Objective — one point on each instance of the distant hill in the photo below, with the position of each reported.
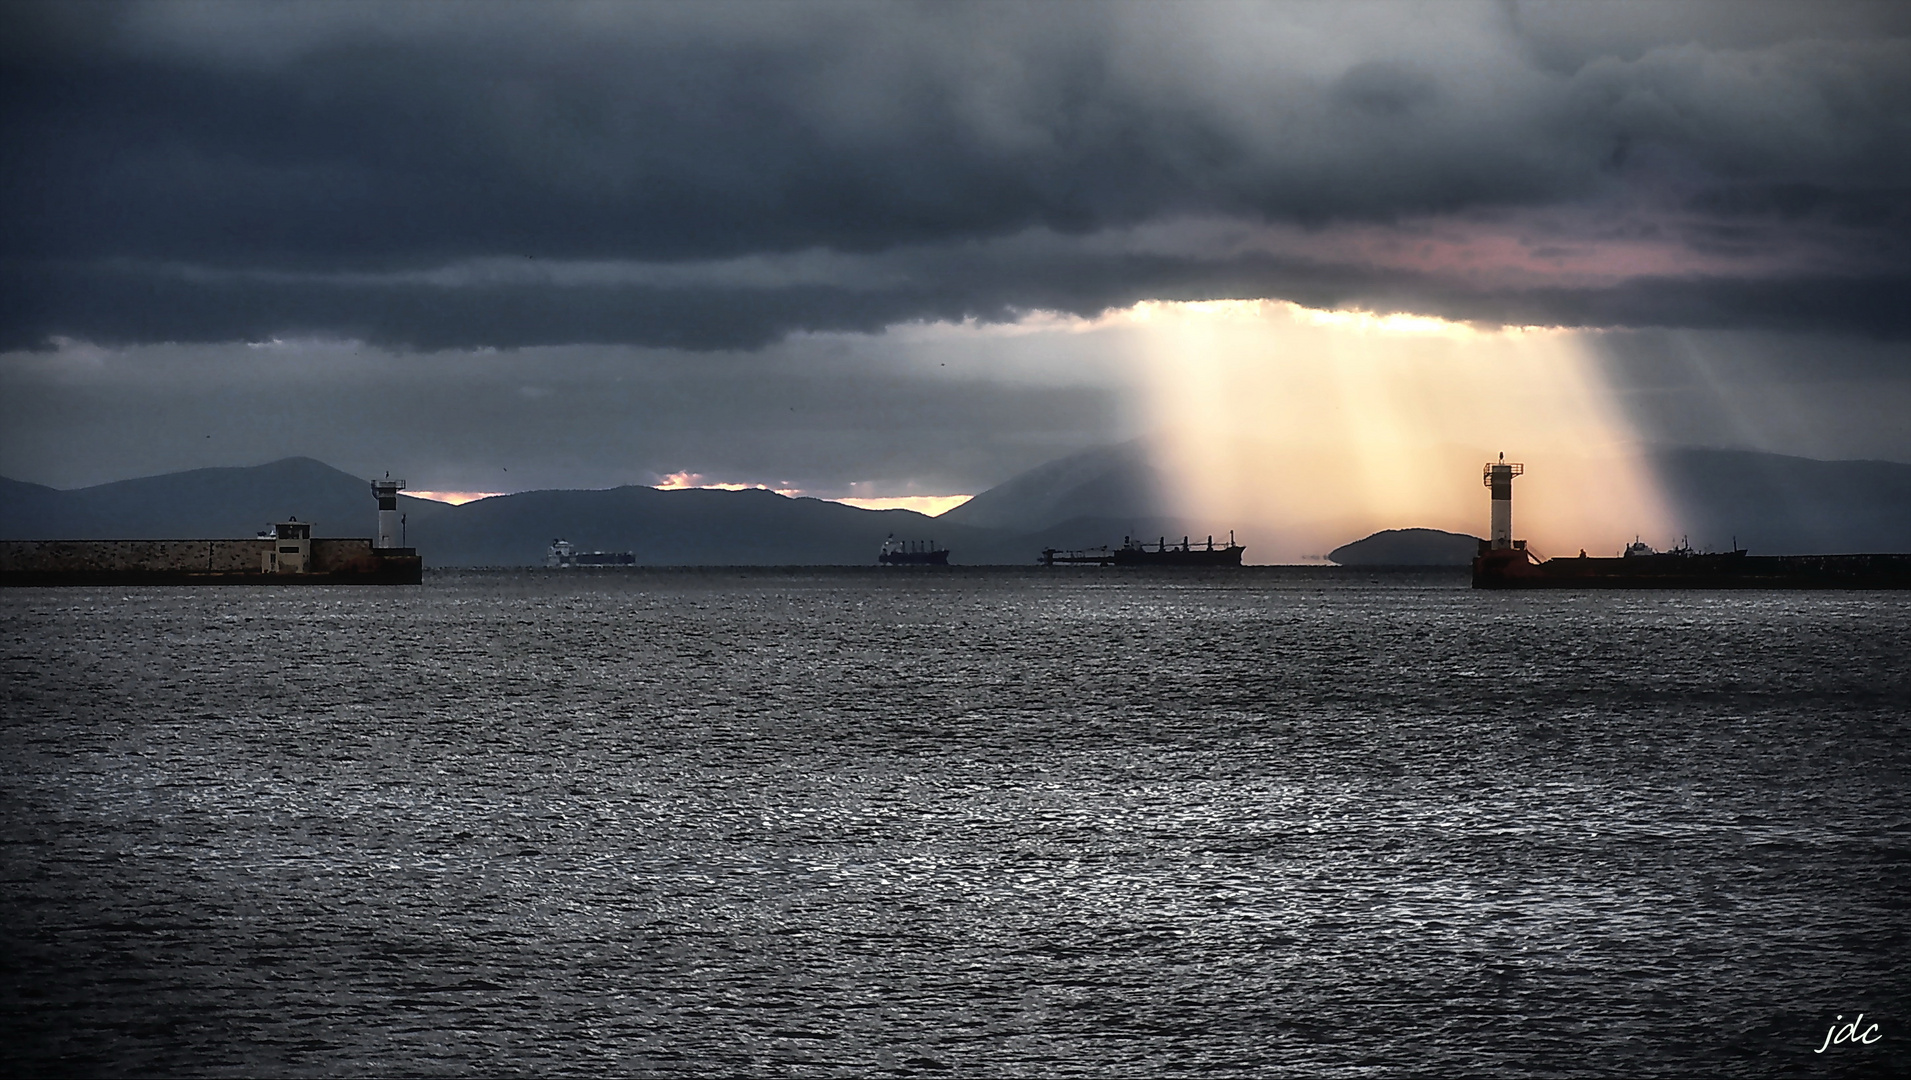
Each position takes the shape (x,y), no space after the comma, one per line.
(1408,547)
(220,502)
(1777,505)
(1117,483)
(1771,504)
(32,512)
(1093,532)
(1084,500)
(694,527)
(689,528)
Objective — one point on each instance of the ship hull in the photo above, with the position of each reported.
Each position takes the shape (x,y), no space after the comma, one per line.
(1228,556)
(595,559)
(1136,556)
(914,558)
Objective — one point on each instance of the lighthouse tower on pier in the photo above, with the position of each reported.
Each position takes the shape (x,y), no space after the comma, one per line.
(1498,476)
(1502,561)
(387,491)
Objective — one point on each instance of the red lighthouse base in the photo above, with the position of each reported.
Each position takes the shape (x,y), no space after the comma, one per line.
(1505,568)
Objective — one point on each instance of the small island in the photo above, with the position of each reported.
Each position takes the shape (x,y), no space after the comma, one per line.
(1408,547)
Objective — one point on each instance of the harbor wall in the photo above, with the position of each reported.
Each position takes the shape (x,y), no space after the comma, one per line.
(107,556)
(1512,569)
(30,560)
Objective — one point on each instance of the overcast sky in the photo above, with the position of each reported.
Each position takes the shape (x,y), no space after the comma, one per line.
(871,248)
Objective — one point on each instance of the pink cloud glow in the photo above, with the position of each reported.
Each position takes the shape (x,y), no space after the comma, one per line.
(1571,247)
(455,498)
(685,481)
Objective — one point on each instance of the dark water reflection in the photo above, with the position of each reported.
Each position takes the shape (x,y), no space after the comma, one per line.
(981,822)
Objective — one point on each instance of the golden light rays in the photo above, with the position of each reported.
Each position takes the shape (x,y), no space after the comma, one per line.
(1302,430)
(1306,429)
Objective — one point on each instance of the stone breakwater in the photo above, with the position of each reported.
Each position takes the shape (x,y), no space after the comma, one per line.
(187,562)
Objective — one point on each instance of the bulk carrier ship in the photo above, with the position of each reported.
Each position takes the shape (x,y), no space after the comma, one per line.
(1505,563)
(1133,552)
(912,553)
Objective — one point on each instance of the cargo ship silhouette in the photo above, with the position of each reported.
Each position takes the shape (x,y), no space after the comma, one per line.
(912,553)
(1506,563)
(1133,552)
(564,555)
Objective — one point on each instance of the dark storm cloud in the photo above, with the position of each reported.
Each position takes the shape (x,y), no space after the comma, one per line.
(224,172)
(120,305)
(831,415)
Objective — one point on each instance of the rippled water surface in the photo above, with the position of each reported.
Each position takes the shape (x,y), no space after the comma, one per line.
(1023,822)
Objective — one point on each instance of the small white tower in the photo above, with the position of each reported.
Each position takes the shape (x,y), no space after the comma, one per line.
(387,491)
(290,550)
(1498,476)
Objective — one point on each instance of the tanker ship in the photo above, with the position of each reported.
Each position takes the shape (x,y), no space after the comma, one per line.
(1505,563)
(286,553)
(563,555)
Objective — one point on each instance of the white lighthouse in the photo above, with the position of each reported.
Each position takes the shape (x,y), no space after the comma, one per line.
(387,491)
(1498,477)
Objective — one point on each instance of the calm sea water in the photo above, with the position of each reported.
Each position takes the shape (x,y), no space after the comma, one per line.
(1023,822)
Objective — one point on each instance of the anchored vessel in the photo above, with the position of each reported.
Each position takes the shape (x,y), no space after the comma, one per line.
(286,553)
(912,553)
(1133,552)
(562,554)
(1505,563)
